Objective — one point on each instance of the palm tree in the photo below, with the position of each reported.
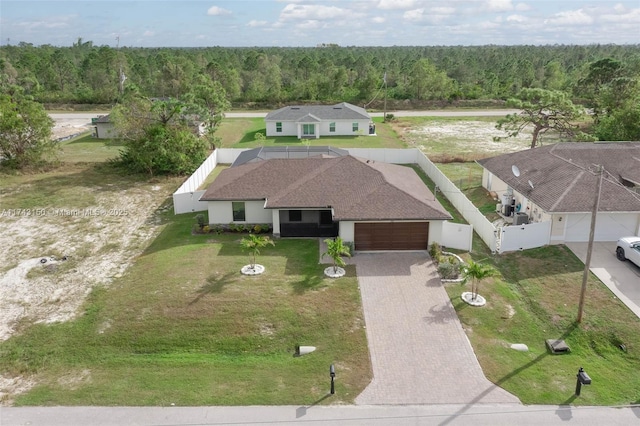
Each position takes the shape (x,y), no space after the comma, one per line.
(335,250)
(476,272)
(253,243)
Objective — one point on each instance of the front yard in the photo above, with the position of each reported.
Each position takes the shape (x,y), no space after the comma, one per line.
(184,327)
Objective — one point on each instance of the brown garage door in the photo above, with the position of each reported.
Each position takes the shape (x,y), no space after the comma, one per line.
(392,236)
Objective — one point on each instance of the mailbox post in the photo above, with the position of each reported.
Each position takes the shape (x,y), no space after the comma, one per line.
(332,374)
(583,379)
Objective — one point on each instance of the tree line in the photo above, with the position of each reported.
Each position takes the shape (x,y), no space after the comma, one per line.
(85,73)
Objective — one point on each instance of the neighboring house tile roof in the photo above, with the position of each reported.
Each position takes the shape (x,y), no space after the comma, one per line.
(102,119)
(356,189)
(315,113)
(564,179)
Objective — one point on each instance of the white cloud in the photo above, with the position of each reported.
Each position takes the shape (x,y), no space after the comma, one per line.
(253,23)
(522,7)
(443,10)
(396,4)
(378,20)
(619,7)
(629,17)
(149,33)
(415,15)
(499,5)
(217,11)
(293,12)
(310,24)
(570,17)
(517,18)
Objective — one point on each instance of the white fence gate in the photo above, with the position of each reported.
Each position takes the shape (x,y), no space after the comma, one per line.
(522,237)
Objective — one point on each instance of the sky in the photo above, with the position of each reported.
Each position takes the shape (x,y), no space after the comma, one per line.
(295,23)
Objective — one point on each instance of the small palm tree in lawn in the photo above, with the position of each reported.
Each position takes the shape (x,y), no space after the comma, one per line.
(335,250)
(253,243)
(476,272)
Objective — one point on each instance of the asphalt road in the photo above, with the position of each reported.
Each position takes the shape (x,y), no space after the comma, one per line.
(245,114)
(396,415)
(430,113)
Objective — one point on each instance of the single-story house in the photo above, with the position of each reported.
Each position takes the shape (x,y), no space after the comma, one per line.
(104,128)
(314,121)
(558,183)
(375,205)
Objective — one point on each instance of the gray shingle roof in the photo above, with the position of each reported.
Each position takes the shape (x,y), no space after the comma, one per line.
(356,189)
(309,113)
(564,179)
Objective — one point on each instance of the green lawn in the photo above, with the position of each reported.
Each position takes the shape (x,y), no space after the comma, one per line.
(241,133)
(86,148)
(183,326)
(534,298)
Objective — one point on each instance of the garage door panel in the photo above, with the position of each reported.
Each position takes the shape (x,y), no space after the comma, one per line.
(391,236)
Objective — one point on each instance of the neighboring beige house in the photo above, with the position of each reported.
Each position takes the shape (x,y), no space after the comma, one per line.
(104,128)
(375,205)
(314,121)
(557,184)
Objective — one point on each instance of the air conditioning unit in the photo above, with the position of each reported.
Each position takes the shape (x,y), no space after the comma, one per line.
(520,218)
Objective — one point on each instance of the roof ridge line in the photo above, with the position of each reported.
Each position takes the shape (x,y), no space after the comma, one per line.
(567,189)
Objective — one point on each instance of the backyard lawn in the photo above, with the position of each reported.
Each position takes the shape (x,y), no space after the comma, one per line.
(184,327)
(87,148)
(241,133)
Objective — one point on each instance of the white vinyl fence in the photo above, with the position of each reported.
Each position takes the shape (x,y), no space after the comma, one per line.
(485,229)
(454,235)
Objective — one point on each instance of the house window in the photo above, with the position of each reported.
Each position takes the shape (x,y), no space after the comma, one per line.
(238,211)
(295,215)
(308,129)
(279,126)
(332,127)
(354,127)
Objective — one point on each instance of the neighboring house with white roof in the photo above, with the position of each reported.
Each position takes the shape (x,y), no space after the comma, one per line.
(315,121)
(557,184)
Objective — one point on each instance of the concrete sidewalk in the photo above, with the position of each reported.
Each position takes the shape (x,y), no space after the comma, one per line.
(419,352)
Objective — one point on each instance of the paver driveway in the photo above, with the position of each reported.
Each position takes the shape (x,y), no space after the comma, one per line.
(419,351)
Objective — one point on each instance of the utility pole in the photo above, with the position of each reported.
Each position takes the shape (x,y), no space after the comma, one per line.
(384,114)
(587,262)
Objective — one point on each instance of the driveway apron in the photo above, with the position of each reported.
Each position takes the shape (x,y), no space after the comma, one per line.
(419,351)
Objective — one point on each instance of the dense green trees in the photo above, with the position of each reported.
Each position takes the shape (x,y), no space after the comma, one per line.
(84,73)
(25,130)
(169,135)
(602,78)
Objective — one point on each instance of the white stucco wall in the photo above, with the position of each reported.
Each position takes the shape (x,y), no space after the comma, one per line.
(221,212)
(347,231)
(343,128)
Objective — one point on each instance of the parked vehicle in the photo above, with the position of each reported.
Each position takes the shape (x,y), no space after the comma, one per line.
(629,248)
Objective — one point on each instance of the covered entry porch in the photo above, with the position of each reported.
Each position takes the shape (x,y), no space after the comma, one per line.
(305,223)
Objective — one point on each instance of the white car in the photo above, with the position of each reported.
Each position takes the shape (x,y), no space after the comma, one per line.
(629,248)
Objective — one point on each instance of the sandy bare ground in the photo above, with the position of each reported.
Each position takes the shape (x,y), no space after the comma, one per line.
(470,139)
(99,243)
(72,124)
